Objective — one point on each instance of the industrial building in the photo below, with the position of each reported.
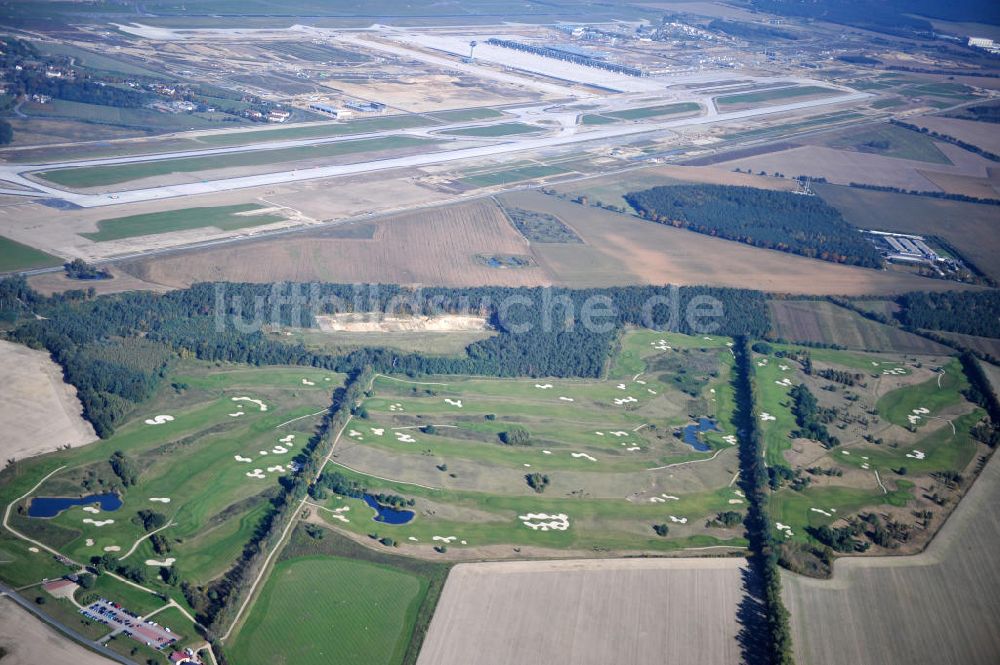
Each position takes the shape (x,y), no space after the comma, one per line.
(572,54)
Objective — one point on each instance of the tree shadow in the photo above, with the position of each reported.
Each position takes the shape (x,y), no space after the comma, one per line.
(751,615)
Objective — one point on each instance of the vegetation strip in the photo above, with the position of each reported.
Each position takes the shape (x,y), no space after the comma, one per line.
(754,481)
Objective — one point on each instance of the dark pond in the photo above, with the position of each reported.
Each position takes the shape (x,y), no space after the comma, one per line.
(50,506)
(691,434)
(388,515)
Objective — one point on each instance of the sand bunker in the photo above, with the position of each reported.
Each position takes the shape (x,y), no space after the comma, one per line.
(784,368)
(336,514)
(660,345)
(236,415)
(633,448)
(90,542)
(678,520)
(625,400)
(91,509)
(260,404)
(650,391)
(286,439)
(445,539)
(543,386)
(87,520)
(454,402)
(412,539)
(916,454)
(354,434)
(159,420)
(396,407)
(566,399)
(619,433)
(256,473)
(240,458)
(112,548)
(845,452)
(786,382)
(735,501)
(261,452)
(730,439)
(33,550)
(784,528)
(765,416)
(307,382)
(546,452)
(403,437)
(159,499)
(548,522)
(821,512)
(620,386)
(276,469)
(895,371)
(279,450)
(169,561)
(378,431)
(584,456)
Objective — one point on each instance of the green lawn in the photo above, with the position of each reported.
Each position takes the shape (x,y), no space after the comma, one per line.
(467,115)
(96,176)
(778,94)
(224,218)
(655,111)
(319,610)
(594,119)
(15,256)
(502,129)
(898,405)
(310,131)
(509,176)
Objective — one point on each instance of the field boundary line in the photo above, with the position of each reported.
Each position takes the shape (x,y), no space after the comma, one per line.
(694,461)
(388,480)
(419,383)
(299,418)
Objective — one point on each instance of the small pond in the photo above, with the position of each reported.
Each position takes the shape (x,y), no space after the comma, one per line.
(50,506)
(692,431)
(388,515)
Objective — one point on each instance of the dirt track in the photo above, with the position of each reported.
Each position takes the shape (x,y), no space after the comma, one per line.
(937,607)
(620,611)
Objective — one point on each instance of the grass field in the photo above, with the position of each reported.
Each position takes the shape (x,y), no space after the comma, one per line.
(318,610)
(597,441)
(309,131)
(95,176)
(493,131)
(509,176)
(467,115)
(225,218)
(935,394)
(15,256)
(775,95)
(141,119)
(654,111)
(823,322)
(892,141)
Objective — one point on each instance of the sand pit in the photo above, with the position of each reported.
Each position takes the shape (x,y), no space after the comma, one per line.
(546,452)
(160,499)
(89,542)
(286,439)
(279,450)
(159,420)
(454,402)
(113,548)
(543,386)
(33,550)
(378,431)
(91,509)
(236,415)
(445,539)
(166,563)
(396,407)
(678,520)
(916,454)
(240,458)
(276,469)
(566,399)
(559,522)
(625,400)
(821,512)
(87,520)
(403,437)
(256,473)
(307,382)
(259,403)
(584,456)
(765,416)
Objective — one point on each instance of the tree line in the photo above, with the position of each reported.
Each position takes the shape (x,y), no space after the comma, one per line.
(968,312)
(784,221)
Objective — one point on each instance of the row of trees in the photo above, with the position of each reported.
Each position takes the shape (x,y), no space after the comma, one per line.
(785,221)
(947,138)
(754,482)
(811,417)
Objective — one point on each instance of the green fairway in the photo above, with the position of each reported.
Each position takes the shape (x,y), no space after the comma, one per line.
(502,129)
(319,610)
(901,406)
(15,256)
(803,509)
(777,94)
(96,176)
(655,111)
(225,218)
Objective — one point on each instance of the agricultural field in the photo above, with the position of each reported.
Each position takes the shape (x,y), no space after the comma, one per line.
(550,464)
(197,465)
(224,218)
(642,612)
(98,176)
(15,256)
(890,141)
(823,322)
(26,639)
(886,434)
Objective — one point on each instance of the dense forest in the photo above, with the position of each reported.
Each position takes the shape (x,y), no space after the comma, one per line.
(893,17)
(784,221)
(116,349)
(968,312)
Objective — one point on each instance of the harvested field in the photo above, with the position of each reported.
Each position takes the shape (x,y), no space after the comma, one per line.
(937,607)
(27,641)
(431,247)
(987,345)
(627,612)
(622,249)
(826,323)
(970,228)
(982,188)
(39,412)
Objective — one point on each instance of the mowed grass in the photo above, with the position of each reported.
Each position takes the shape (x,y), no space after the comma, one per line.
(225,218)
(892,141)
(15,256)
(314,131)
(97,176)
(935,394)
(823,322)
(467,115)
(509,176)
(654,111)
(502,129)
(319,610)
(778,94)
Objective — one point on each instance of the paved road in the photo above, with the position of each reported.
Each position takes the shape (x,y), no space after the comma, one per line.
(63,628)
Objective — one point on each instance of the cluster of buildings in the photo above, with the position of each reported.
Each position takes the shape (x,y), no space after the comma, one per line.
(350,108)
(569,53)
(903,247)
(986,44)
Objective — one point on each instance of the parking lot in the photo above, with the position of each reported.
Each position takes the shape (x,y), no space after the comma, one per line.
(120,620)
